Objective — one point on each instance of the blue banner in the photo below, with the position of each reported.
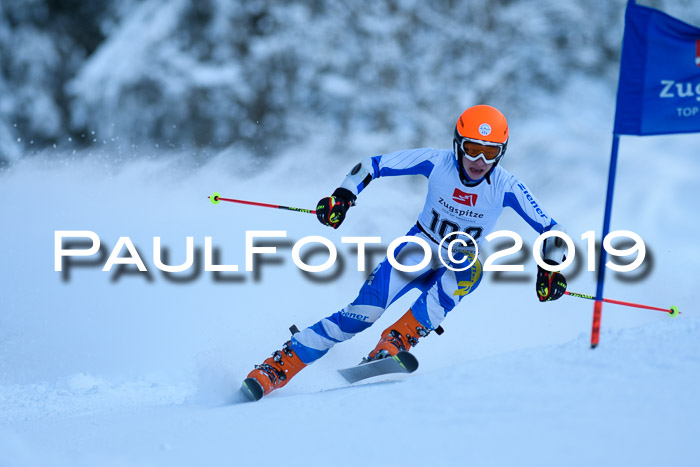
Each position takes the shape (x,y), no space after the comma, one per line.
(659,87)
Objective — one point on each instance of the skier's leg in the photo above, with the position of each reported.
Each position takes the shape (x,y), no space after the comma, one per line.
(442,291)
(382,287)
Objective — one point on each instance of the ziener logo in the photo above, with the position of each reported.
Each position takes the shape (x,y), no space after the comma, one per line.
(468,199)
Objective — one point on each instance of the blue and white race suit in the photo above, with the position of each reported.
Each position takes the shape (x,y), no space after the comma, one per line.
(450,206)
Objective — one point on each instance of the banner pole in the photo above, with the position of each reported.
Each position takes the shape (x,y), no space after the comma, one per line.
(598,305)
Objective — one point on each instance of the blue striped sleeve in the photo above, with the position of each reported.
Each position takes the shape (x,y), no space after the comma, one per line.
(409,162)
(519,198)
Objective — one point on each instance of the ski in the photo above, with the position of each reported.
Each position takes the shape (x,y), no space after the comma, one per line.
(252,389)
(402,362)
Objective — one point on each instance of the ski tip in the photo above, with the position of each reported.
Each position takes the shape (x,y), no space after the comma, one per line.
(252,389)
(407,360)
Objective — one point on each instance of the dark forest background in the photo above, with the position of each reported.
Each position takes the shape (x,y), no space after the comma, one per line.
(214,74)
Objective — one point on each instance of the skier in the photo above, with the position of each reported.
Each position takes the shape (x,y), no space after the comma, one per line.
(467,191)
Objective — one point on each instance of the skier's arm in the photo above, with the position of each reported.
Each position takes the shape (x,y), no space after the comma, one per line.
(550,285)
(408,162)
(518,197)
(331,210)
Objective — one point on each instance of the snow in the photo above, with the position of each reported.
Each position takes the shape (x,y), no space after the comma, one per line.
(633,401)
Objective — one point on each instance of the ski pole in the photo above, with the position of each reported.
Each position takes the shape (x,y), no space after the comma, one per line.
(673,311)
(216,197)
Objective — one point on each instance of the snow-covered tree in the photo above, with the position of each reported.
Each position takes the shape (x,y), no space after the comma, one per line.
(260,74)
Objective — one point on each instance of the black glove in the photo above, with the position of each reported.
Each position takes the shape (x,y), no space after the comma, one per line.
(331,209)
(550,285)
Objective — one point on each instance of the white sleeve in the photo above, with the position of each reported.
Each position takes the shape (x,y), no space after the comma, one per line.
(408,162)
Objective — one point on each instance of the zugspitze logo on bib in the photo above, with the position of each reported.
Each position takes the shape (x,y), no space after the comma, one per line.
(484,129)
(468,199)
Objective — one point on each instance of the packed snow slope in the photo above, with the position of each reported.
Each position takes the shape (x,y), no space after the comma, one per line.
(631,402)
(142,368)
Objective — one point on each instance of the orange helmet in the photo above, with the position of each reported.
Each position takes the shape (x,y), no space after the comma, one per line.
(481,126)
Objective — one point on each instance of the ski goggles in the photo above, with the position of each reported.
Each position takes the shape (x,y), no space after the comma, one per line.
(475,150)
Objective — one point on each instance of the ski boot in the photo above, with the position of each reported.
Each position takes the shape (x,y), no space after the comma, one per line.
(399,337)
(274,372)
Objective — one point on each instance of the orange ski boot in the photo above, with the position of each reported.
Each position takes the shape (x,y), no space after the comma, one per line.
(274,372)
(400,336)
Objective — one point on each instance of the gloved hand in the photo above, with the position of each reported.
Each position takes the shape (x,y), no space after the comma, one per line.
(331,209)
(549,285)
